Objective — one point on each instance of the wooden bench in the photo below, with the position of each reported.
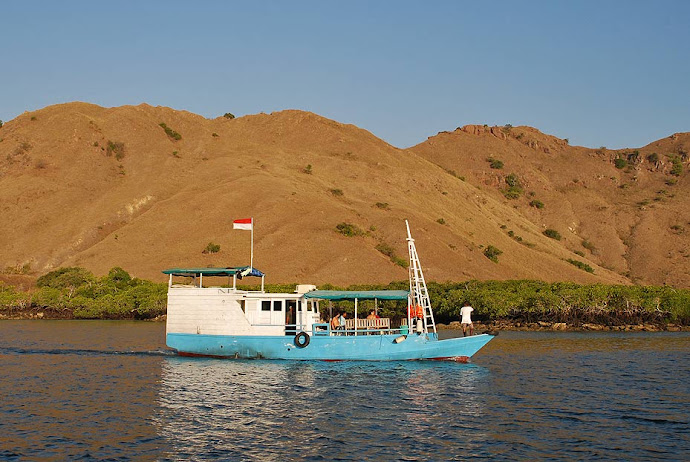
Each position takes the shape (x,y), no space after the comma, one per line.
(379,323)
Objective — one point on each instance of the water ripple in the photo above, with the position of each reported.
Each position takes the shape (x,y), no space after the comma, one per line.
(111,391)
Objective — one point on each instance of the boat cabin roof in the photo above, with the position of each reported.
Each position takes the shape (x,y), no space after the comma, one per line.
(358,294)
(240,271)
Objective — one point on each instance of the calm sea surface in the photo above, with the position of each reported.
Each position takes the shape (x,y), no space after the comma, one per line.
(72,390)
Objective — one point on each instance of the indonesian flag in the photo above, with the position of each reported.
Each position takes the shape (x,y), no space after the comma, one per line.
(243,223)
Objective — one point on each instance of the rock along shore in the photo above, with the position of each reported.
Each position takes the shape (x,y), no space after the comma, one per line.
(500,325)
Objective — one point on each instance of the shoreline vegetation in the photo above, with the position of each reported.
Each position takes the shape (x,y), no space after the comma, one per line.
(75,293)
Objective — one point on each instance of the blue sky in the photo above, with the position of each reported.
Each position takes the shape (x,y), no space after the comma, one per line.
(601,73)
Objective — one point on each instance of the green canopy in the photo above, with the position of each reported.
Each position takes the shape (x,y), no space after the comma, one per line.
(239,271)
(359,294)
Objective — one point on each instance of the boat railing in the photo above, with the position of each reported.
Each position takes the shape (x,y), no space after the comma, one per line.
(377,323)
(324,329)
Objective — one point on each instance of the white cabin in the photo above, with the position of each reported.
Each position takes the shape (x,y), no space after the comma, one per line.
(196,308)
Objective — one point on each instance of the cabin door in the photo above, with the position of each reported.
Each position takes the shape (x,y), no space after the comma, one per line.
(277,313)
(292,317)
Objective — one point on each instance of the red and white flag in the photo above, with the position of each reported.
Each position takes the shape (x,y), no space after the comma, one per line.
(243,223)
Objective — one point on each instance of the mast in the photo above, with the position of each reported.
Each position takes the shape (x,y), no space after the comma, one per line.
(418,290)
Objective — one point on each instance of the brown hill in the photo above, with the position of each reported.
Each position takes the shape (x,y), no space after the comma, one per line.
(96,187)
(627,210)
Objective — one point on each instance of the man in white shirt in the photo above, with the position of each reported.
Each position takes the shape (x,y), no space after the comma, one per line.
(466,318)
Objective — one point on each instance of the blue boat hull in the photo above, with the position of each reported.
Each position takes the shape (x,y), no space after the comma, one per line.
(329,348)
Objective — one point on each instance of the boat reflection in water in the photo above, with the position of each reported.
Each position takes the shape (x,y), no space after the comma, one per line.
(280,410)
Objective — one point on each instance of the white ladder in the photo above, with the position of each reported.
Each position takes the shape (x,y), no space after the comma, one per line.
(418,290)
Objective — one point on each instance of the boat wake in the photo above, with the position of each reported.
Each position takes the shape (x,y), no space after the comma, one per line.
(82,352)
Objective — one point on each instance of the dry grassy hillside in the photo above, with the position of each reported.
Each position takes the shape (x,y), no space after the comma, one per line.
(626,210)
(82,185)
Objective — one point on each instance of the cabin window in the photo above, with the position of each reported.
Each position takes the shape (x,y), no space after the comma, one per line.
(242,305)
(277,305)
(265,305)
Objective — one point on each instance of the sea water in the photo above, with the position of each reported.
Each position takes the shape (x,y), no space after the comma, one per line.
(99,390)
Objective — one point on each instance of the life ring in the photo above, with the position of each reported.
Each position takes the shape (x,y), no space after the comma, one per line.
(302,339)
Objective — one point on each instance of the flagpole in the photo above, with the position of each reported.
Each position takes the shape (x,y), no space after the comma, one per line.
(251,258)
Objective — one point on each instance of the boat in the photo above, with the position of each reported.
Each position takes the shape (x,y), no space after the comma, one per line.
(221,320)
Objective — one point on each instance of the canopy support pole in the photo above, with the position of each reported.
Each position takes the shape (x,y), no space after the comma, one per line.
(409,313)
(355,317)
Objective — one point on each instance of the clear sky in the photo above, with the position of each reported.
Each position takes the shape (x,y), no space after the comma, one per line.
(601,73)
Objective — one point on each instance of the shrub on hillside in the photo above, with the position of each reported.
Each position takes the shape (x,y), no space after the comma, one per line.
(337,192)
(653,158)
(589,245)
(170,132)
(117,148)
(492,253)
(552,233)
(349,230)
(537,204)
(388,251)
(228,115)
(620,163)
(514,189)
(581,265)
(211,248)
(495,163)
(677,168)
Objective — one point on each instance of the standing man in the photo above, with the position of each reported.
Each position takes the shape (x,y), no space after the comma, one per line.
(341,320)
(466,318)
